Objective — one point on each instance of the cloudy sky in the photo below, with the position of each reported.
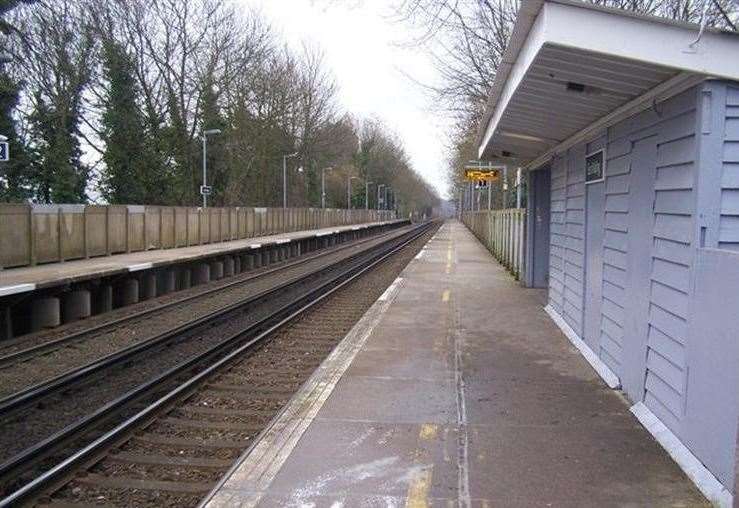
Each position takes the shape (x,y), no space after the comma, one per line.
(362,50)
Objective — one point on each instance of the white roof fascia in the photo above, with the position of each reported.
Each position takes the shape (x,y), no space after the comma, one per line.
(601,30)
(663,91)
(513,72)
(663,44)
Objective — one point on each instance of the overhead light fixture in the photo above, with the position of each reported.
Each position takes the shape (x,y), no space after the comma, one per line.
(572,86)
(525,137)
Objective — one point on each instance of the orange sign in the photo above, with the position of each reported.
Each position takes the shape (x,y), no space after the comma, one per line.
(476,174)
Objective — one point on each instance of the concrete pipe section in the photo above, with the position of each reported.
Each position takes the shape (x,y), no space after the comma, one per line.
(76,305)
(127,292)
(103,299)
(216,270)
(201,274)
(45,313)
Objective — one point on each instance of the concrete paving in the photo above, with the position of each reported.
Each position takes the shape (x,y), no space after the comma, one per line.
(18,280)
(456,389)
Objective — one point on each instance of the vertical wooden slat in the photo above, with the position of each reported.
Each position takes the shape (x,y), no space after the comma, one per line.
(31,239)
(59,242)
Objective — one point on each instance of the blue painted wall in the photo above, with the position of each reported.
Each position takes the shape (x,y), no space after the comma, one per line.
(692,156)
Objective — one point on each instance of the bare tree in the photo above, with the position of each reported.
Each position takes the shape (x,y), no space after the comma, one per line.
(166,70)
(466,40)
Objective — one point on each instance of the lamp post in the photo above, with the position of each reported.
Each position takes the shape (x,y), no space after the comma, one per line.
(284,177)
(379,191)
(323,186)
(349,191)
(204,190)
(366,194)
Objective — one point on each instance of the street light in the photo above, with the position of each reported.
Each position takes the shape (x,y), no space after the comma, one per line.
(204,190)
(323,186)
(379,198)
(349,191)
(366,194)
(284,177)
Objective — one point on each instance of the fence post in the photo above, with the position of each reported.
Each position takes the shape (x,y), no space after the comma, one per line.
(31,239)
(60,236)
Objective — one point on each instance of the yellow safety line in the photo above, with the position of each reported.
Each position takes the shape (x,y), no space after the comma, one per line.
(428,431)
(445,296)
(418,492)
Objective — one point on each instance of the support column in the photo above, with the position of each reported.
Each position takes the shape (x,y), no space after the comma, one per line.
(167,282)
(237,264)
(148,286)
(127,292)
(228,266)
(216,270)
(76,305)
(6,323)
(185,278)
(202,274)
(45,313)
(103,299)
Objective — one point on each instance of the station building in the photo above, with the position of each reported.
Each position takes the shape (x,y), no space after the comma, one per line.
(628,126)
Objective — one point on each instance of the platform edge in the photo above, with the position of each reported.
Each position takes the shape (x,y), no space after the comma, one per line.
(287,428)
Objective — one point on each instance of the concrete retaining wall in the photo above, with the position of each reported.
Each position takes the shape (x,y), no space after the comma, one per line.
(33,234)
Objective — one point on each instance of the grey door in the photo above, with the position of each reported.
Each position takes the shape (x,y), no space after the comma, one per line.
(594,210)
(638,265)
(537,229)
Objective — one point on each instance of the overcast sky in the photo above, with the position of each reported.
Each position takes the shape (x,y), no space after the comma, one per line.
(361,47)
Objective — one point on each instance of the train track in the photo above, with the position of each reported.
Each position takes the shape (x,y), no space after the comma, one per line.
(82,353)
(38,420)
(19,351)
(146,400)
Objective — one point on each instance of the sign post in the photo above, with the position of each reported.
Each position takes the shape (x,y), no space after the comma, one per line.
(481,175)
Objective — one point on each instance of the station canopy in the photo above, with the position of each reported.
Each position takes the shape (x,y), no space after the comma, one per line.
(570,69)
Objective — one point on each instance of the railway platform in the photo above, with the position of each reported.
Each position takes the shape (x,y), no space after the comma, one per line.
(455,389)
(20,280)
(44,296)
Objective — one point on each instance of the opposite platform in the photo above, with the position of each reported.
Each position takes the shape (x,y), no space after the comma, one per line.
(18,280)
(456,388)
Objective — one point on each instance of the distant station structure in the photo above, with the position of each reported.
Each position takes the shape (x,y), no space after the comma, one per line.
(628,128)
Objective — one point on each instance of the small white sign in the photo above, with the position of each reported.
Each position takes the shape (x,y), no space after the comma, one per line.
(4,151)
(206,190)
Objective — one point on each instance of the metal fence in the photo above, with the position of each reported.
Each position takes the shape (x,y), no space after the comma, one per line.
(31,234)
(503,233)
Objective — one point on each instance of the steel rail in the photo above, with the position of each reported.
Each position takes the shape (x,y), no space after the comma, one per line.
(53,443)
(43,389)
(30,352)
